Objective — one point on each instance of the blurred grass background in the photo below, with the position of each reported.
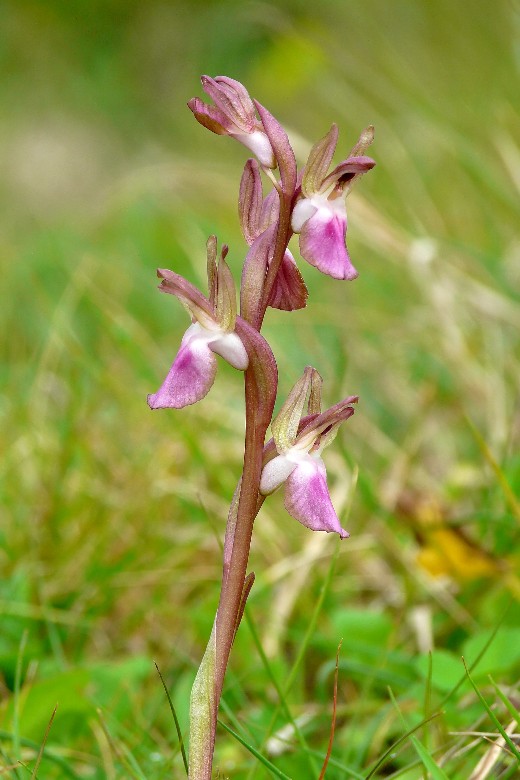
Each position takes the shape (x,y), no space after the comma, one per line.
(111,516)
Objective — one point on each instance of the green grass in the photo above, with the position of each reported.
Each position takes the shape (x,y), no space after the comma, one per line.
(112,517)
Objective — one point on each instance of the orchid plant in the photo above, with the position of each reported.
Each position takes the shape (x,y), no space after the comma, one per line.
(312,204)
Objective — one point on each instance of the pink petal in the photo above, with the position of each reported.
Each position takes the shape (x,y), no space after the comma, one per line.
(307,497)
(250,201)
(289,291)
(190,377)
(347,170)
(253,272)
(210,117)
(199,306)
(232,98)
(322,243)
(270,210)
(315,426)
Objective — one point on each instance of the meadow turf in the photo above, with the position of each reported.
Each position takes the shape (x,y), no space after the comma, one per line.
(112,517)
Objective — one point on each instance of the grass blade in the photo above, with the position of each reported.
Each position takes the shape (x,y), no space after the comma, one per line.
(281,694)
(263,760)
(44,742)
(505,735)
(398,742)
(48,756)
(175,719)
(506,702)
(506,488)
(433,768)
(333,722)
(312,623)
(477,659)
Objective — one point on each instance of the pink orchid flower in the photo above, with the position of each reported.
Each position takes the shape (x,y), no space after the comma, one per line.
(234,115)
(293,456)
(211,333)
(320,214)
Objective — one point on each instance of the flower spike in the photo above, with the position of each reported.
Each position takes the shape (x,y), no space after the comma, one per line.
(320,215)
(211,333)
(310,202)
(299,443)
(234,115)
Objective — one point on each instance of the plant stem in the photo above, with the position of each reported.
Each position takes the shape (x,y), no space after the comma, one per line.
(239,537)
(235,573)
(240,523)
(236,555)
